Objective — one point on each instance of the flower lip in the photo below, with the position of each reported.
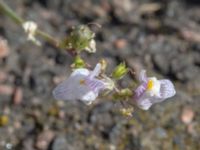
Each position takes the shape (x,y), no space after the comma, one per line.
(152,91)
(81,85)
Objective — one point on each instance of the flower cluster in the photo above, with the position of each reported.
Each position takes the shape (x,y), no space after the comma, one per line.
(86,85)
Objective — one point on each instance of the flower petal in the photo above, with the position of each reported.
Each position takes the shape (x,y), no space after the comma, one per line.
(167,89)
(71,89)
(96,71)
(81,71)
(142,76)
(89,97)
(95,84)
(144,102)
(140,90)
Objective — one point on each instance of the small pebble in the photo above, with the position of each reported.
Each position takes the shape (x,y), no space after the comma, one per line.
(6,90)
(17,96)
(120,43)
(187,115)
(44,139)
(4,49)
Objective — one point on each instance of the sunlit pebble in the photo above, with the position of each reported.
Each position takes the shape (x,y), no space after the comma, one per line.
(60,103)
(61,114)
(9,146)
(4,49)
(6,110)
(120,43)
(36,113)
(105,6)
(112,147)
(3,76)
(58,79)
(6,90)
(10,130)
(44,139)
(17,96)
(17,125)
(36,101)
(187,115)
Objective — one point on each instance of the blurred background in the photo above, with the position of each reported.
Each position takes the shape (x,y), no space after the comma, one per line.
(161,36)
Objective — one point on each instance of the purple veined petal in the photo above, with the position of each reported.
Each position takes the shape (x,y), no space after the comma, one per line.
(167,89)
(71,89)
(142,76)
(144,102)
(140,90)
(95,84)
(96,71)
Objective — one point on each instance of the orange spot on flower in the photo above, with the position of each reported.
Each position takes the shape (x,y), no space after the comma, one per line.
(82,82)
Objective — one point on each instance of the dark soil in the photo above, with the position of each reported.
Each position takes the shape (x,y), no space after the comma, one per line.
(163,38)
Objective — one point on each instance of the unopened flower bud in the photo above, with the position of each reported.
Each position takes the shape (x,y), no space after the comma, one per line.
(127,111)
(104,64)
(81,38)
(119,71)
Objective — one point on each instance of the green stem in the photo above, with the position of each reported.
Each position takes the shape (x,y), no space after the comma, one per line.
(5,9)
(48,37)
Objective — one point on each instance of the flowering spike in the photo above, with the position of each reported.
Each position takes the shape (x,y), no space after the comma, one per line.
(120,71)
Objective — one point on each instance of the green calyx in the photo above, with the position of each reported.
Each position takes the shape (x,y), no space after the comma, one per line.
(119,71)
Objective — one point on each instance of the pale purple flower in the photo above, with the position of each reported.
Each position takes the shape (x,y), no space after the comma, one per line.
(151,91)
(81,85)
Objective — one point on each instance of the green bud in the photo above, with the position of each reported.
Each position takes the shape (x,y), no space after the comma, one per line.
(81,38)
(127,112)
(119,71)
(78,63)
(104,64)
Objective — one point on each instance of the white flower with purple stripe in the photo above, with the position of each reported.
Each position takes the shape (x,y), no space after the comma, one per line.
(152,91)
(81,85)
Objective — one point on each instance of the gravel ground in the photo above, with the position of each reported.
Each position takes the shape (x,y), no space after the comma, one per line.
(162,36)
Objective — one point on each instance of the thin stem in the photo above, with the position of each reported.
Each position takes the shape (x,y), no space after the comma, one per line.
(47,37)
(5,9)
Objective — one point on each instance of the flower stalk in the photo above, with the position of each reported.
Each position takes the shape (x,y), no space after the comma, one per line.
(5,9)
